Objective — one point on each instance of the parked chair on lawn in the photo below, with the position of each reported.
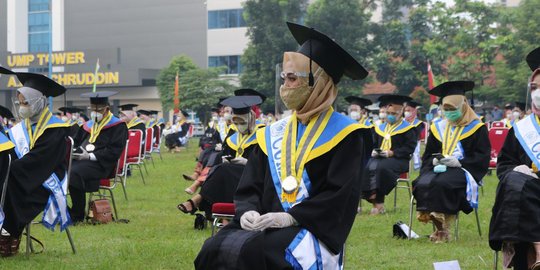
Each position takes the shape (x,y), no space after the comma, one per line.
(157,142)
(148,146)
(135,151)
(220,212)
(406,183)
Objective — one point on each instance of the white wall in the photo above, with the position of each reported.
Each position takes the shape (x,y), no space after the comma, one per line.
(228,41)
(17,26)
(58,25)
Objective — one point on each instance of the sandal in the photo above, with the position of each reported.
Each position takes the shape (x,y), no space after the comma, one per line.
(9,246)
(188,177)
(189,191)
(183,208)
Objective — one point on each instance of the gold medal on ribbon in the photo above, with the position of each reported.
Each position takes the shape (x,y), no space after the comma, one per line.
(289,184)
(90,147)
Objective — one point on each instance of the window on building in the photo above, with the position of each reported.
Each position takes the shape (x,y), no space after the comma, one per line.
(228,18)
(232,62)
(38,25)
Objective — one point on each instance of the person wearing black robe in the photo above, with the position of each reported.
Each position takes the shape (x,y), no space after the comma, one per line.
(394,143)
(357,111)
(321,205)
(26,197)
(514,226)
(455,160)
(98,150)
(73,124)
(223,179)
(178,133)
(128,115)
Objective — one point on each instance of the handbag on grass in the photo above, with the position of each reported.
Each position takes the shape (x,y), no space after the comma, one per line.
(100,211)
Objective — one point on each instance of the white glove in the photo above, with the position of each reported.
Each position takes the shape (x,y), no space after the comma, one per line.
(525,170)
(450,161)
(386,154)
(435,162)
(82,156)
(274,220)
(239,161)
(218,147)
(224,159)
(374,153)
(248,220)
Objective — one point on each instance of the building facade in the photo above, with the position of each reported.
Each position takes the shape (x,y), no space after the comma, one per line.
(133,40)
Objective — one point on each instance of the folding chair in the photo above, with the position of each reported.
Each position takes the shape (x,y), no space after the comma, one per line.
(405,179)
(221,211)
(498,124)
(148,146)
(135,151)
(456,226)
(68,159)
(497,136)
(157,142)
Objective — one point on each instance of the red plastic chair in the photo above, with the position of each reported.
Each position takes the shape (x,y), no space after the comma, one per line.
(148,146)
(135,151)
(157,142)
(498,124)
(404,178)
(221,211)
(497,136)
(424,133)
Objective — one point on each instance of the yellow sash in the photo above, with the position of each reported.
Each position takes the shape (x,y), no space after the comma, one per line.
(41,125)
(451,139)
(96,128)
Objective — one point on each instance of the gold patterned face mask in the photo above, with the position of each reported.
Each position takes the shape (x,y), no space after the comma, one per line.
(295,97)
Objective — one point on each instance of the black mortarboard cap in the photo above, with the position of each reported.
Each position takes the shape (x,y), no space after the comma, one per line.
(42,83)
(317,46)
(508,106)
(128,107)
(184,113)
(153,111)
(249,92)
(145,112)
(520,105)
(242,104)
(533,59)
(6,113)
(393,99)
(413,104)
(99,97)
(362,102)
(69,109)
(452,88)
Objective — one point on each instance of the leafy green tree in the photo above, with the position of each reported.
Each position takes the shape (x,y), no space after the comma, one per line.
(199,89)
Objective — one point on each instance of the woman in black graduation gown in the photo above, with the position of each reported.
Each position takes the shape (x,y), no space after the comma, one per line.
(455,161)
(223,179)
(394,142)
(319,202)
(99,144)
(515,224)
(26,196)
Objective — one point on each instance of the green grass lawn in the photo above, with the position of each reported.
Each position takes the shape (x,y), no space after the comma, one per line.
(161,237)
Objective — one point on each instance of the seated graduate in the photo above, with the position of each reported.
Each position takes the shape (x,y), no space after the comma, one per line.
(222,180)
(210,143)
(508,118)
(301,215)
(455,160)
(411,116)
(514,226)
(394,143)
(38,169)
(71,116)
(225,124)
(358,112)
(128,115)
(177,135)
(518,112)
(98,145)
(158,122)
(256,108)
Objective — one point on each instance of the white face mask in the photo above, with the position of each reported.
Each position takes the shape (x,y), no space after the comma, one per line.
(536,98)
(65,118)
(227,116)
(382,115)
(516,115)
(509,116)
(407,114)
(74,117)
(96,116)
(214,118)
(25,112)
(242,128)
(354,115)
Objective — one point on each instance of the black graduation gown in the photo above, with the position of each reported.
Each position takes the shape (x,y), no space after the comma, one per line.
(381,173)
(173,140)
(329,212)
(446,192)
(210,138)
(516,212)
(85,174)
(26,197)
(142,127)
(73,129)
(221,183)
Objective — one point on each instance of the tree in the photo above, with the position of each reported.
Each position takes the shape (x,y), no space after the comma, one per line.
(196,85)
(334,18)
(269,37)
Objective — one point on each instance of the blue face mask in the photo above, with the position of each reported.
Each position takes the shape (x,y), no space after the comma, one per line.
(452,116)
(391,118)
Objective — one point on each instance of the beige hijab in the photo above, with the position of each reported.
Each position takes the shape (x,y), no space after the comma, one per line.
(324,91)
(468,114)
